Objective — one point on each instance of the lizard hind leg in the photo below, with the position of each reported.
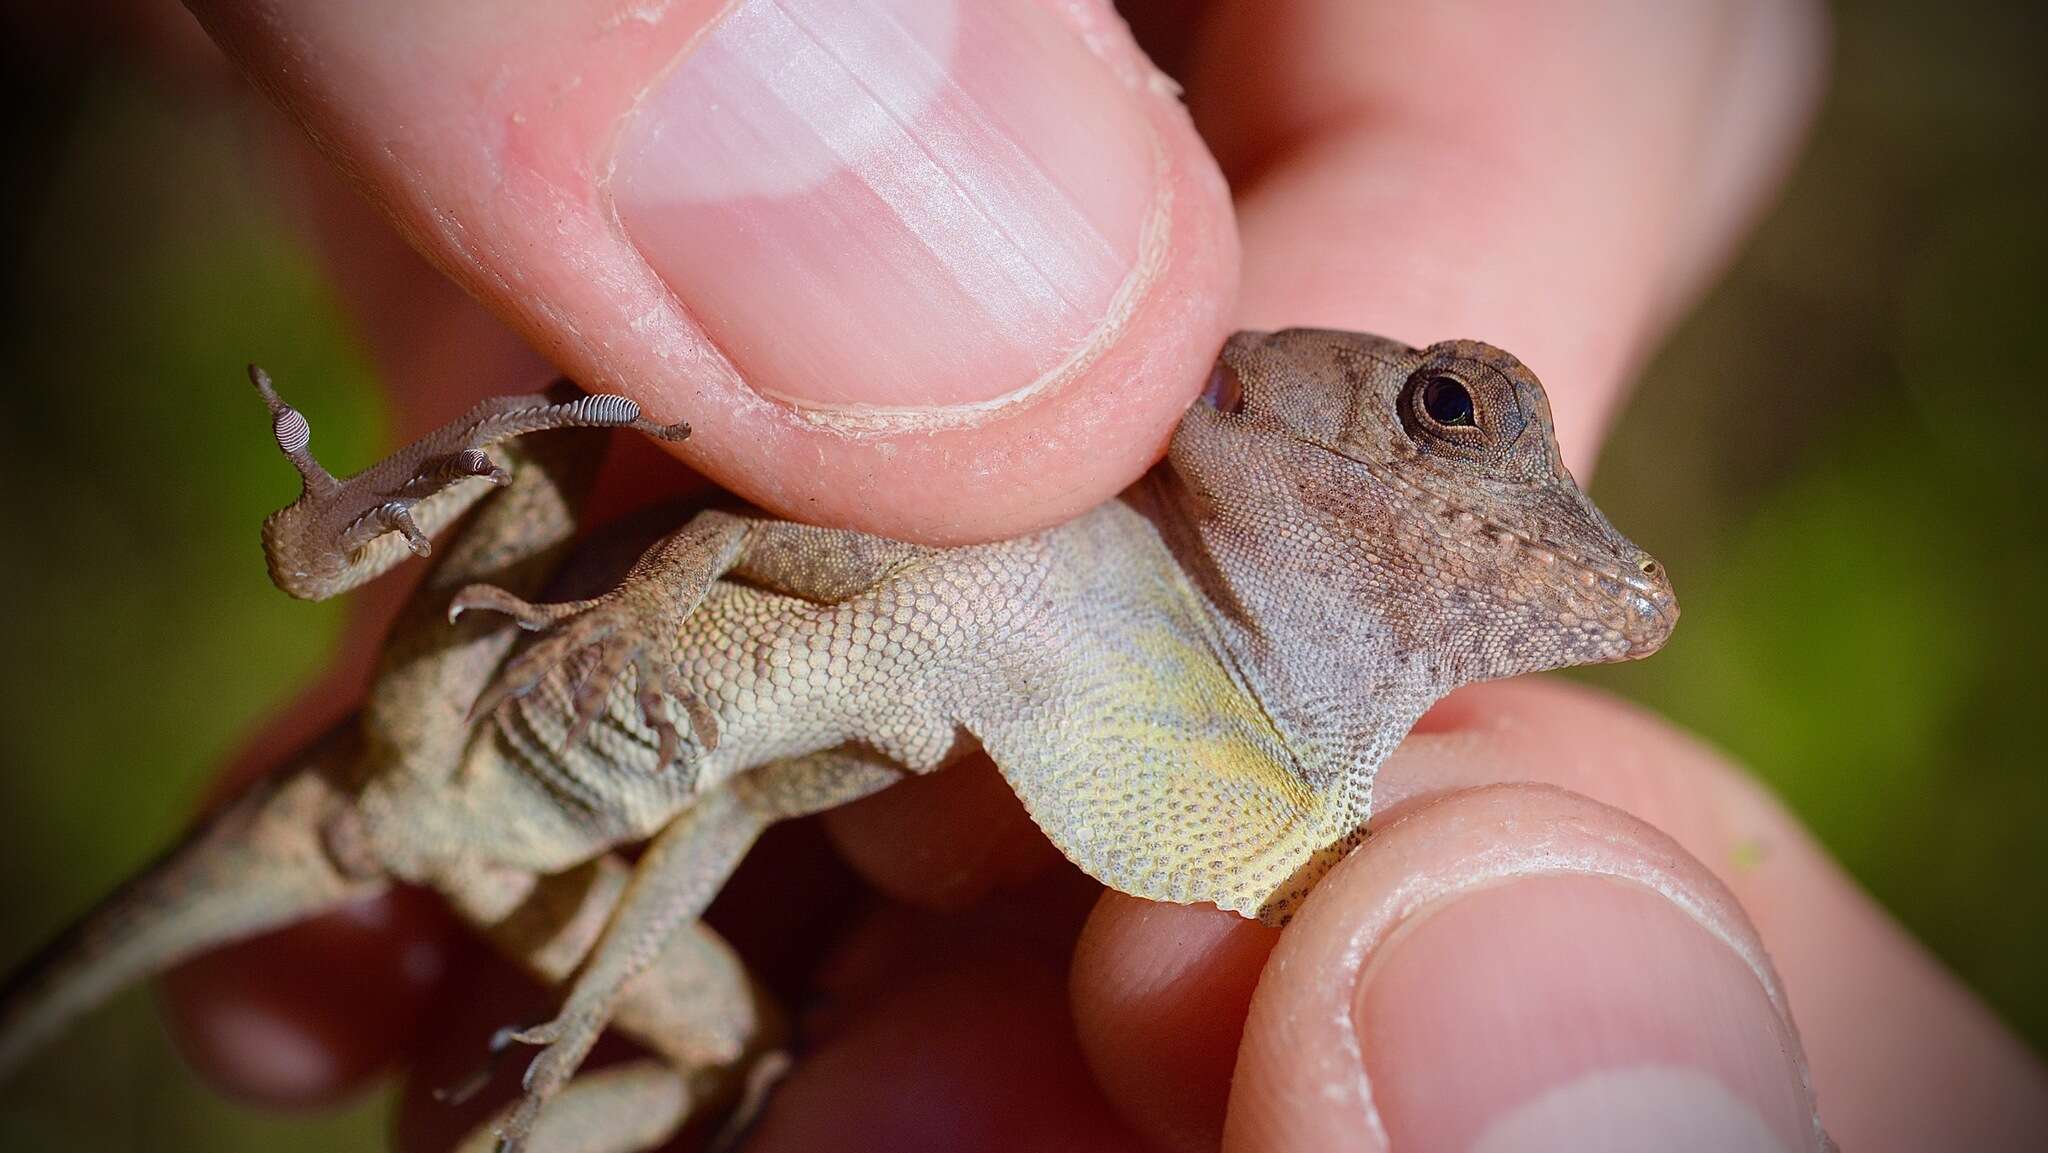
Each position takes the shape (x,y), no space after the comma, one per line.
(656,913)
(284,851)
(341,533)
(715,1036)
(637,625)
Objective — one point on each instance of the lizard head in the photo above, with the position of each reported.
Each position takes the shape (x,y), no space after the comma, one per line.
(1430,483)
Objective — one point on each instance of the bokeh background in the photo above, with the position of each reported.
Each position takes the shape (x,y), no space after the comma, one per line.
(1839,455)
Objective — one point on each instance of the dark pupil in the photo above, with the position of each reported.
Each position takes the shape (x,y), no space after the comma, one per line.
(1446,401)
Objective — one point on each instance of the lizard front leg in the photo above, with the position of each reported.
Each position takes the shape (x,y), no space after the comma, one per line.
(341,533)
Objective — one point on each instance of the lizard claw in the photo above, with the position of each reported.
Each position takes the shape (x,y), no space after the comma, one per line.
(531,617)
(391,516)
(595,688)
(464,1090)
(544,1034)
(564,1043)
(762,1078)
(650,690)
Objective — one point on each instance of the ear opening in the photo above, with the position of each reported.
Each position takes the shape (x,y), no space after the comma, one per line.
(1225,390)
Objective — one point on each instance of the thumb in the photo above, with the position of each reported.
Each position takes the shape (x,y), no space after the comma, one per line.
(1519,968)
(937,270)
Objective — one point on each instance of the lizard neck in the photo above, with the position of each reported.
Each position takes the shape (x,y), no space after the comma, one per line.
(1340,684)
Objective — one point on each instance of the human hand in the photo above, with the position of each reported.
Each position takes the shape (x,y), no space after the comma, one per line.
(1558,184)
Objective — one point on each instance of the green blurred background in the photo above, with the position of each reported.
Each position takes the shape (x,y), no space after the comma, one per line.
(1836,455)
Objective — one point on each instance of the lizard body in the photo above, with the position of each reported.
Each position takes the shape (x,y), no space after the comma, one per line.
(1189,687)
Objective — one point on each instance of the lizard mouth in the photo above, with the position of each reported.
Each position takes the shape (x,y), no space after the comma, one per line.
(1614,598)
(1620,613)
(1619,602)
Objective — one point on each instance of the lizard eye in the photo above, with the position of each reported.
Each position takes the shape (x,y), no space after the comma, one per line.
(1468,406)
(1448,402)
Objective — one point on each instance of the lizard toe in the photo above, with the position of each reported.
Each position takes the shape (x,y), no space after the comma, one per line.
(523,672)
(614,655)
(531,617)
(703,718)
(654,710)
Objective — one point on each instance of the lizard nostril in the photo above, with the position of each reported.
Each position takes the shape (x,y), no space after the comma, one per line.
(1649,567)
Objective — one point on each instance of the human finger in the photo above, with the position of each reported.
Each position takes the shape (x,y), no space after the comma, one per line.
(1517,967)
(948,1033)
(942,271)
(1932,1068)
(1555,179)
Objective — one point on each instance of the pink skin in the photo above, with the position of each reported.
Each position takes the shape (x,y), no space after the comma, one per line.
(1562,185)
(503,143)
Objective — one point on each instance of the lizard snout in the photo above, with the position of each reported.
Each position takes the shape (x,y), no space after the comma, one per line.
(1652,606)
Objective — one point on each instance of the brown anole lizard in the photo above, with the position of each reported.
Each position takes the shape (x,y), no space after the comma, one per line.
(1190,688)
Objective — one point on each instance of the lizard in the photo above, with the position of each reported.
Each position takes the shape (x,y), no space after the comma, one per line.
(1189,687)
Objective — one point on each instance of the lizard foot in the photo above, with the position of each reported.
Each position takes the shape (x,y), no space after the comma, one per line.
(564,1043)
(342,532)
(470,1084)
(618,631)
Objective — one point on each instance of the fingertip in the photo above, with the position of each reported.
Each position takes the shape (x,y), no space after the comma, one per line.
(452,1085)
(945,840)
(953,278)
(1519,967)
(1555,181)
(310,1014)
(947,1032)
(1576,1010)
(966,371)
(1935,1068)
(1160,994)
(1044,262)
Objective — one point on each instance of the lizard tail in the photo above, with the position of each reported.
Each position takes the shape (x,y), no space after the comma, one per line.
(286,849)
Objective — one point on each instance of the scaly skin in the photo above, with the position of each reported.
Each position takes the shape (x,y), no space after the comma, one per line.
(1189,687)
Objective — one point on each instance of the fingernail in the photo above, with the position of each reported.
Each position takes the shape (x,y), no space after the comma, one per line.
(914,204)
(1575,1013)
